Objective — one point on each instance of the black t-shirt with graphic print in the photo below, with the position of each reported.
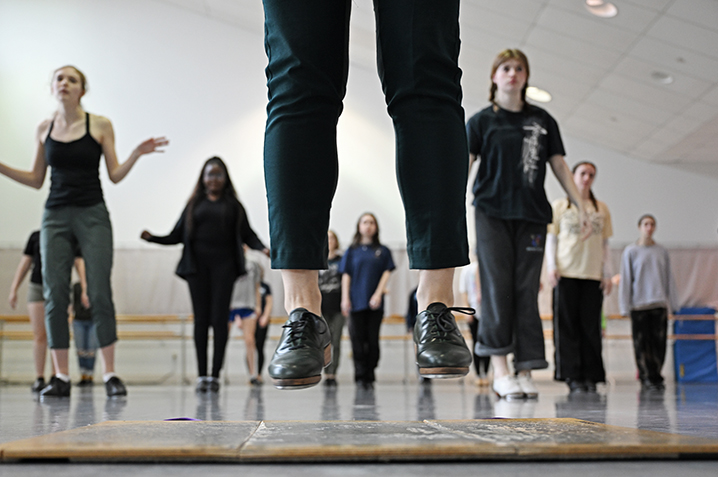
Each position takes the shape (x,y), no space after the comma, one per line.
(513,149)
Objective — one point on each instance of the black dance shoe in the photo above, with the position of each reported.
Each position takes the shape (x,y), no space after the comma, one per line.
(441,351)
(56,388)
(304,349)
(38,385)
(115,387)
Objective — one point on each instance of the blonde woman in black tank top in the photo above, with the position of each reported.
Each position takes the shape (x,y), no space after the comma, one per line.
(72,143)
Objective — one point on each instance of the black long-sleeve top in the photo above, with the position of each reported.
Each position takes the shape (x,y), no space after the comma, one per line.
(241,234)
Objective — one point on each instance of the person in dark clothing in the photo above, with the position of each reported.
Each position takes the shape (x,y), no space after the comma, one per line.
(213,229)
(365,267)
(260,333)
(72,143)
(330,284)
(84,334)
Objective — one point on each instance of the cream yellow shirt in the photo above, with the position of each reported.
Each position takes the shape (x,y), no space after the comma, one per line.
(576,258)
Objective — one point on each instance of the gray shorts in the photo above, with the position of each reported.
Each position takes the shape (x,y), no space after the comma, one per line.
(34,293)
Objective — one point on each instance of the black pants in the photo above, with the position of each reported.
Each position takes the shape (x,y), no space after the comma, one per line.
(307,45)
(577,341)
(211,292)
(510,258)
(481,363)
(650,332)
(364,334)
(260,336)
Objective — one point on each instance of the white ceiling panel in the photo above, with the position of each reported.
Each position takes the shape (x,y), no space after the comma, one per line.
(673,57)
(682,84)
(656,5)
(585,28)
(625,106)
(711,97)
(701,12)
(652,95)
(562,67)
(632,17)
(487,21)
(686,35)
(572,49)
(518,9)
(605,117)
(702,111)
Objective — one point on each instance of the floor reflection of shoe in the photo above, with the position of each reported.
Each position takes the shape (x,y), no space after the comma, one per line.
(508,408)
(330,382)
(115,387)
(38,385)
(441,351)
(424,380)
(527,386)
(56,388)
(254,382)
(508,387)
(303,351)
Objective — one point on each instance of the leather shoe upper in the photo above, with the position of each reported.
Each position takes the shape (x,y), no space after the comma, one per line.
(300,352)
(439,342)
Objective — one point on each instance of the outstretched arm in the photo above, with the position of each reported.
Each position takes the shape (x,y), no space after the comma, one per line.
(36,176)
(565,178)
(115,170)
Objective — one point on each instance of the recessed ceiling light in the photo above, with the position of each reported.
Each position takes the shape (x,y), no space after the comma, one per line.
(601,9)
(538,94)
(661,77)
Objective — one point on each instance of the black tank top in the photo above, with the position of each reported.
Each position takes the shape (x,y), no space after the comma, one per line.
(75,176)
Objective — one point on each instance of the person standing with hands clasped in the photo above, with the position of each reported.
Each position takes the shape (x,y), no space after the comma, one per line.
(648,293)
(579,272)
(72,142)
(365,267)
(514,141)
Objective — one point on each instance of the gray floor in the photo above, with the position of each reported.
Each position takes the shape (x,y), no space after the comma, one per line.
(685,409)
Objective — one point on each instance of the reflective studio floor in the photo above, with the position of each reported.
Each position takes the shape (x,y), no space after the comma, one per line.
(682,409)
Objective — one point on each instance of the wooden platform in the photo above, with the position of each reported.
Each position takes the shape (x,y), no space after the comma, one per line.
(353,441)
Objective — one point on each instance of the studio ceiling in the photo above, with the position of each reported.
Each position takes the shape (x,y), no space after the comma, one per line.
(599,71)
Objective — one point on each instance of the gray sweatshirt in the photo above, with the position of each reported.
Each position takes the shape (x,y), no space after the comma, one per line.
(646,279)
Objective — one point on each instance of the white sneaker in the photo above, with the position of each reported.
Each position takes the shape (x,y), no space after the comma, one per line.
(527,386)
(508,387)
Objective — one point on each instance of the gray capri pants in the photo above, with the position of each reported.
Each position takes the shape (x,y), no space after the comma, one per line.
(92,229)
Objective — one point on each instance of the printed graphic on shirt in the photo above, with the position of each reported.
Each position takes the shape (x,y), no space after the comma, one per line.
(570,220)
(530,151)
(536,244)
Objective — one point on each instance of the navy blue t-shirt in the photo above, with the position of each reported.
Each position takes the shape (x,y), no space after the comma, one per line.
(365,265)
(514,148)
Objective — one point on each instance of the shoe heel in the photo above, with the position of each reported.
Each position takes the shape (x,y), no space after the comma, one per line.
(328,355)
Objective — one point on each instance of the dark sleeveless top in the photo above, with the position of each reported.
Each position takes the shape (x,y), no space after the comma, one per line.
(75,176)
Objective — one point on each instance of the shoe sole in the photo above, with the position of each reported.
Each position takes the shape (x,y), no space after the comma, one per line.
(444,372)
(511,397)
(307,382)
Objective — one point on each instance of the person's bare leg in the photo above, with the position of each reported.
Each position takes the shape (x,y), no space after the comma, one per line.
(301,290)
(441,351)
(60,357)
(108,358)
(249,325)
(435,286)
(36,311)
(304,348)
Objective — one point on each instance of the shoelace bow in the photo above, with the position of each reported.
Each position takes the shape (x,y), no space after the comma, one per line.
(443,319)
(297,330)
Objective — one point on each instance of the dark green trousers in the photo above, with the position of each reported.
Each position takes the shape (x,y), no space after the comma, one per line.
(418,46)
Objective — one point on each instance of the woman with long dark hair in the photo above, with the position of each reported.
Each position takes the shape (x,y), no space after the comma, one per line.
(72,142)
(580,274)
(213,228)
(365,269)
